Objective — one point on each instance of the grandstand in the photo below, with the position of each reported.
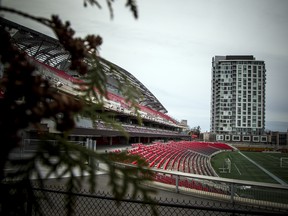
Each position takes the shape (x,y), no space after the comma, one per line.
(53,64)
(183,156)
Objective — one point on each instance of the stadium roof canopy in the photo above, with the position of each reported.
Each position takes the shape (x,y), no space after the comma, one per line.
(49,51)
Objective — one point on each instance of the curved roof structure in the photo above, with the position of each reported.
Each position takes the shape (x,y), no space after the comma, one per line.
(49,51)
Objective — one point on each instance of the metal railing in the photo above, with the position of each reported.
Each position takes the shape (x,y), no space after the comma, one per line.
(263,195)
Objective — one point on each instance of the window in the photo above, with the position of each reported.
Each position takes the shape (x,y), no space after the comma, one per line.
(249,111)
(246,138)
(238,123)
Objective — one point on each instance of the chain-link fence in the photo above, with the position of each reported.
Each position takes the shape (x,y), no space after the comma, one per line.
(52,201)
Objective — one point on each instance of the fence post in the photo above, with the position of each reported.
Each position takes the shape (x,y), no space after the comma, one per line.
(29,204)
(232,191)
(177,184)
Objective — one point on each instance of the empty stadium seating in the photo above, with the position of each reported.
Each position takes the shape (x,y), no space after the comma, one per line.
(183,156)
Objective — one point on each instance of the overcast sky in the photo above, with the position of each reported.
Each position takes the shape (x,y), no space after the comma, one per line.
(170,47)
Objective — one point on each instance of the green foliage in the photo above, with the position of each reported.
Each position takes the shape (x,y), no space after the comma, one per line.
(130,3)
(28,99)
(94,88)
(64,158)
(93,91)
(123,175)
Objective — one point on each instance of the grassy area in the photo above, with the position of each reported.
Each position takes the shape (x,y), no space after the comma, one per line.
(243,169)
(271,162)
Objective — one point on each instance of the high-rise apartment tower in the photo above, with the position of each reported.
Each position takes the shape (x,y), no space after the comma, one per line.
(238,95)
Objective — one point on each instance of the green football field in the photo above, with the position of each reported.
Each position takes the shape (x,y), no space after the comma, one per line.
(243,169)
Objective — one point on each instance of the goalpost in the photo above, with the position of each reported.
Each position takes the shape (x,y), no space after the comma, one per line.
(284,162)
(226,166)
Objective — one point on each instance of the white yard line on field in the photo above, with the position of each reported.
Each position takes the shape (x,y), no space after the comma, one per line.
(266,171)
(237,169)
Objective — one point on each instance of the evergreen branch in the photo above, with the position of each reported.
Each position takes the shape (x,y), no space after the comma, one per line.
(70,156)
(92,2)
(122,176)
(133,7)
(132,95)
(40,101)
(109,5)
(93,88)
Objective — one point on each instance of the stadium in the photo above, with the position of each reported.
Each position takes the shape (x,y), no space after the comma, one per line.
(210,170)
(53,63)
